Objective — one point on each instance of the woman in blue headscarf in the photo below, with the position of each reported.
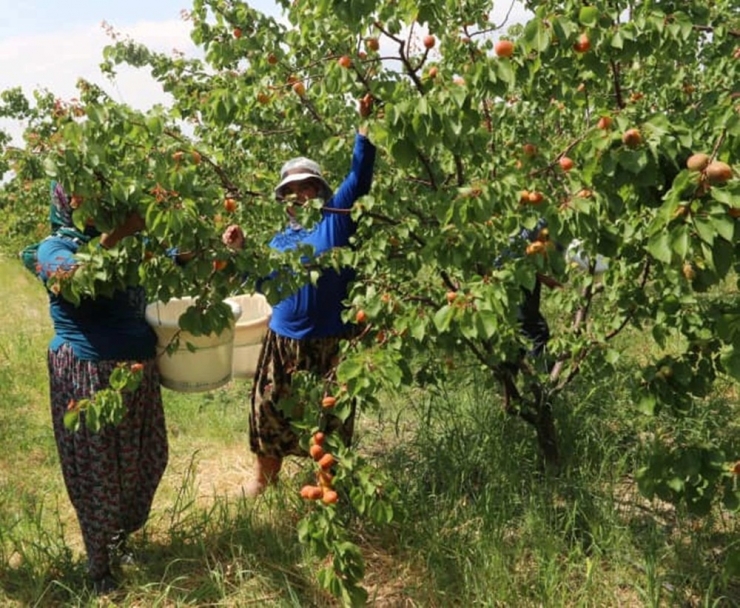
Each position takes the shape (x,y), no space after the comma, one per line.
(111,476)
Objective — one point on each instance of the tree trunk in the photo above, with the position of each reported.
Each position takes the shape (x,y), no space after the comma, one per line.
(547,438)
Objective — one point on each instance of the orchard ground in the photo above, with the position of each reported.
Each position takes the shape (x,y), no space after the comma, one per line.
(480,524)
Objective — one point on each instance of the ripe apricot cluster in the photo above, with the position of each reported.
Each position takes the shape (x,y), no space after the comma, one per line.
(323,490)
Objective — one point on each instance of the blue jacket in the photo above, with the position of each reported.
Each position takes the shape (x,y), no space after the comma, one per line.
(100,329)
(314,311)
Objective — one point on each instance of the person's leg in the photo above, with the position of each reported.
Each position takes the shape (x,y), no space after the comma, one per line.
(270,434)
(266,472)
(87,460)
(143,457)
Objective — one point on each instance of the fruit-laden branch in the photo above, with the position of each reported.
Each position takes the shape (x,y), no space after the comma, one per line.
(551,165)
(410,70)
(228,185)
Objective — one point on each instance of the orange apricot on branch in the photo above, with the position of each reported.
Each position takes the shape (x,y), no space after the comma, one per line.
(310,492)
(632,138)
(583,43)
(535,248)
(325,478)
(330,497)
(529,149)
(327,461)
(328,402)
(503,48)
(718,172)
(316,452)
(697,162)
(566,164)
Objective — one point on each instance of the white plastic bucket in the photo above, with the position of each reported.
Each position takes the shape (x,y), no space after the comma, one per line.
(250,329)
(208,366)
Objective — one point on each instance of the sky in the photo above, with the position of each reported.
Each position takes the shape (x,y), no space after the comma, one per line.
(51,43)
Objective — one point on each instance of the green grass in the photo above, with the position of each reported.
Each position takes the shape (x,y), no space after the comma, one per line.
(479,523)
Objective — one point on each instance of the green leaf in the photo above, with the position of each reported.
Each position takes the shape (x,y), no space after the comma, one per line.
(647,405)
(676,484)
(659,246)
(588,15)
(50,167)
(680,241)
(418,330)
(349,369)
(722,257)
(443,318)
(705,230)
(71,420)
(563,28)
(487,323)
(536,36)
(724,225)
(730,359)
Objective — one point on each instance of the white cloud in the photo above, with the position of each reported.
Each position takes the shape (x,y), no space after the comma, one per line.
(56,61)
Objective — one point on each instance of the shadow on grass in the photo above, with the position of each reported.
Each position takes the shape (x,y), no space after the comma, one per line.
(230,554)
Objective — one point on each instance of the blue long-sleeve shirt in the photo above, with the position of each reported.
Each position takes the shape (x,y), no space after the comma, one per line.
(314,311)
(98,329)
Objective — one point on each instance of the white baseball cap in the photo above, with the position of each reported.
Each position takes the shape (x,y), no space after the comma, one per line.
(299,169)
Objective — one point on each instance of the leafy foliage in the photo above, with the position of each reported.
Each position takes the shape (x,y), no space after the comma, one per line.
(627,91)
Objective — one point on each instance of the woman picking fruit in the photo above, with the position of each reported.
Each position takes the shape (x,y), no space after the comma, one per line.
(306,328)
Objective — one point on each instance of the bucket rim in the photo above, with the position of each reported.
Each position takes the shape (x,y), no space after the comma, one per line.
(154,318)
